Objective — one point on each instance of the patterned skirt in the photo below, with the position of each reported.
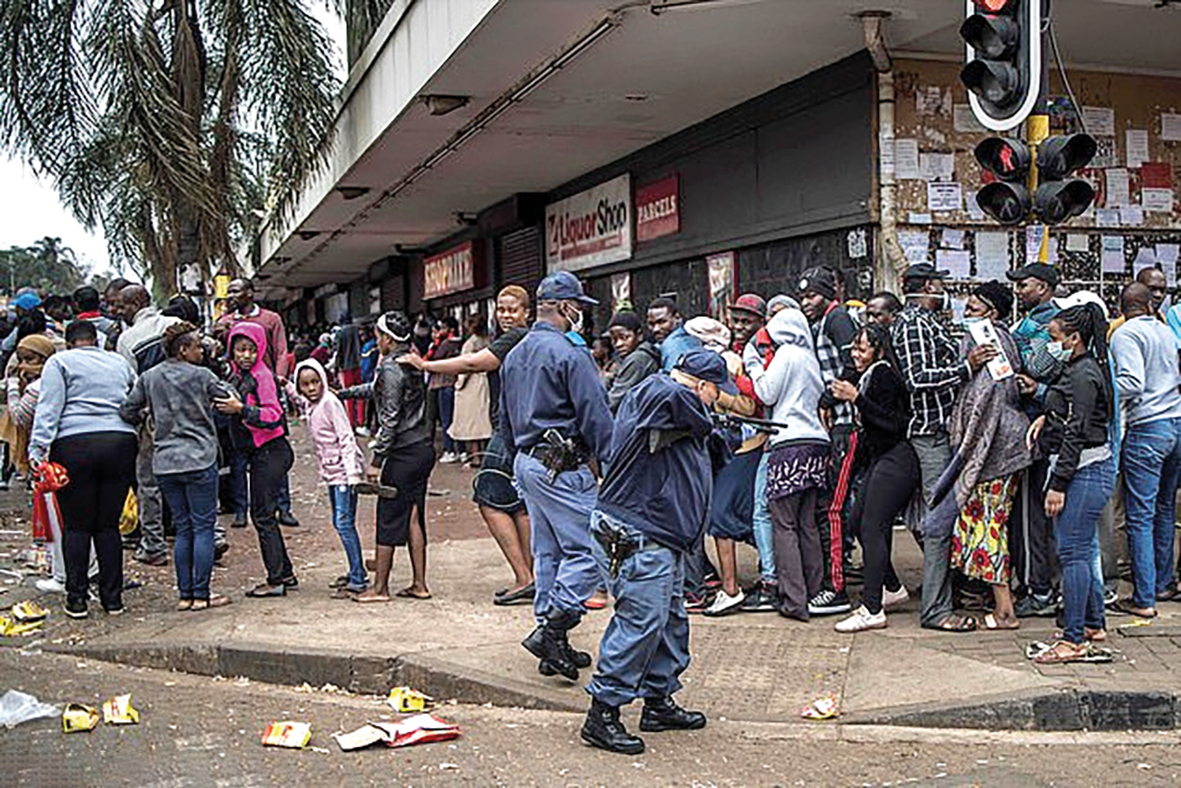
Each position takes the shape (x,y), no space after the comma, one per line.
(980,539)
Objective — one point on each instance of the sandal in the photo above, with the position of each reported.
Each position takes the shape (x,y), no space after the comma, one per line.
(1126,607)
(264,590)
(1063,652)
(214,600)
(410,593)
(1090,635)
(369,598)
(955,623)
(339,582)
(990,621)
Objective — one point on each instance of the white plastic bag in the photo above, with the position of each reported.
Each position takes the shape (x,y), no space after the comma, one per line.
(17,707)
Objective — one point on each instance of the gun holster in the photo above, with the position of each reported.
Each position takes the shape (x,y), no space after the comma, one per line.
(617,544)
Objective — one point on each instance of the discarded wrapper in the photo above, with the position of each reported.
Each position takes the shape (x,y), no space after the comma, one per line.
(408,701)
(119,711)
(77,718)
(419,729)
(380,490)
(11,628)
(821,709)
(29,611)
(287,733)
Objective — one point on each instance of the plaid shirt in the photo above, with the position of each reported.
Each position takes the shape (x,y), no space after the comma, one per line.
(832,357)
(928,359)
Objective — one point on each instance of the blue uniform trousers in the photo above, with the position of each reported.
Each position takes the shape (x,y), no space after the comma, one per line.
(563,562)
(645,648)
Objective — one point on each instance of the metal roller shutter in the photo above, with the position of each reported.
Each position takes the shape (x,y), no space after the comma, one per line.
(519,254)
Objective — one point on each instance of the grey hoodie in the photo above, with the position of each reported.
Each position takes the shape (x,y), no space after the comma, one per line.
(179,398)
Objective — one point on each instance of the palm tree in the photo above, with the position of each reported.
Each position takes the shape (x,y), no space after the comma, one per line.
(168,122)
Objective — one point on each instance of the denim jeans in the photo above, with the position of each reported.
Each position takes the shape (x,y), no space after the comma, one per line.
(1151,462)
(1076,531)
(763,533)
(343,499)
(192,499)
(645,647)
(447,415)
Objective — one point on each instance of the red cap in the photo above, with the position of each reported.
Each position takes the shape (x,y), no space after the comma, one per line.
(749,302)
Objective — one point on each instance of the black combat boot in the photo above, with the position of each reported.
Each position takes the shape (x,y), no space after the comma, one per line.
(549,644)
(663,714)
(580,659)
(603,729)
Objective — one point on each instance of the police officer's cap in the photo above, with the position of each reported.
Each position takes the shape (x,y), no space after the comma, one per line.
(707,365)
(563,286)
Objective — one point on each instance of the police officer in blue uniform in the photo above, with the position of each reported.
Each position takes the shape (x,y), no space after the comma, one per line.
(652,509)
(554,415)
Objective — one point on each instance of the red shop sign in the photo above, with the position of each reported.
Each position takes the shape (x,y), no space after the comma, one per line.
(449,272)
(658,209)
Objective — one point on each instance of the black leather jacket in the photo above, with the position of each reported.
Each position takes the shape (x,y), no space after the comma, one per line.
(400,395)
(1077,413)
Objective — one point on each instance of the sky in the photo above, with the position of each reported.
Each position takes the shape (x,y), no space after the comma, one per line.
(30,209)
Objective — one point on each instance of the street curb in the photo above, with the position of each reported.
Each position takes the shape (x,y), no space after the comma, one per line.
(1064,709)
(368,675)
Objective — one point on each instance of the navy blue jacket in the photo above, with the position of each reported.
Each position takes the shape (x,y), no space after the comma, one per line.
(546,382)
(666,494)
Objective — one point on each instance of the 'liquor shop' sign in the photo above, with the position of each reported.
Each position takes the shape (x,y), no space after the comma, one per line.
(590,229)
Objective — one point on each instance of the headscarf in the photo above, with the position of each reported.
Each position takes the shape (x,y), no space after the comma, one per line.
(40,345)
(14,434)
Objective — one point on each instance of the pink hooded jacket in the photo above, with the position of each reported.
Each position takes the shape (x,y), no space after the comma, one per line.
(262,414)
(341,460)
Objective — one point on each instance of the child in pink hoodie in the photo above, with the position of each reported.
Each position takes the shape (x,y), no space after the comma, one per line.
(341,466)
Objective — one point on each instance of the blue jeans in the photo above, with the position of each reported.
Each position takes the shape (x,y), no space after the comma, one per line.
(343,499)
(192,498)
(1151,462)
(1077,535)
(563,557)
(238,488)
(761,523)
(645,647)
(447,415)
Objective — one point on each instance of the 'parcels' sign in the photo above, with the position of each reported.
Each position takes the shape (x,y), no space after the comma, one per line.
(658,209)
(449,272)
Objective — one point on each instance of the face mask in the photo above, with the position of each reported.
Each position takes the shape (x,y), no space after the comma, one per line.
(1059,351)
(969,321)
(575,322)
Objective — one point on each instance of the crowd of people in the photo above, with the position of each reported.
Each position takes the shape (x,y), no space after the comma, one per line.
(1029,456)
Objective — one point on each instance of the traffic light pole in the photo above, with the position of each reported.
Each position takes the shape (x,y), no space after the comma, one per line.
(1037,125)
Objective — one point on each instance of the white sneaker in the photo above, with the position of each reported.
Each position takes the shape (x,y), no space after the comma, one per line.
(50,586)
(363,432)
(862,620)
(892,600)
(448,458)
(724,604)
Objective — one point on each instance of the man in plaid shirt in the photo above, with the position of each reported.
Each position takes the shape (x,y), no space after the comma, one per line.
(930,363)
(833,331)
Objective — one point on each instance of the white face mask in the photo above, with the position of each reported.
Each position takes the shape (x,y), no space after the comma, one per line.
(576,322)
(968,321)
(1059,351)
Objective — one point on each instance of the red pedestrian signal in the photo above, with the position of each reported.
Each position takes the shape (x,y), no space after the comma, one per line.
(1005,199)
(1003,59)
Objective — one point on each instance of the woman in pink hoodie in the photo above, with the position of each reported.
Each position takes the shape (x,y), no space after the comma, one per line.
(260,433)
(341,466)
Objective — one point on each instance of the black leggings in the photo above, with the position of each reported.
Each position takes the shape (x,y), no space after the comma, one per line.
(101,467)
(890,483)
(269,465)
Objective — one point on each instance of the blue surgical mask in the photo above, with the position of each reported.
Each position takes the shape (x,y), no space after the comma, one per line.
(1059,351)
(969,321)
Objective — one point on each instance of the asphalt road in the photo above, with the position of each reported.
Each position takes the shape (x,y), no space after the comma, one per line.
(197,731)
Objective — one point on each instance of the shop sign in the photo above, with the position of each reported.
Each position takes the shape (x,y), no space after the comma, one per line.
(658,209)
(449,272)
(591,228)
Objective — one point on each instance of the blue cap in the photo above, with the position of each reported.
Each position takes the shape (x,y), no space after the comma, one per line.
(563,286)
(707,365)
(27,301)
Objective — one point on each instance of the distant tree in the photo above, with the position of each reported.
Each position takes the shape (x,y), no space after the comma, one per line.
(169,123)
(46,265)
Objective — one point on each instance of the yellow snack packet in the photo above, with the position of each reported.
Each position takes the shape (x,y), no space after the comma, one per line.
(29,611)
(408,701)
(287,733)
(119,711)
(77,718)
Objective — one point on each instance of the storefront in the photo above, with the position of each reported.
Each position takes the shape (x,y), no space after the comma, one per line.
(455,281)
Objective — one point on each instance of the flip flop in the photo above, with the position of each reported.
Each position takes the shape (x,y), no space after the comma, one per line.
(1125,606)
(365,599)
(955,623)
(519,597)
(990,621)
(407,593)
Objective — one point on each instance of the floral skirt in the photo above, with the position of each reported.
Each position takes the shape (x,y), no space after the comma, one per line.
(980,539)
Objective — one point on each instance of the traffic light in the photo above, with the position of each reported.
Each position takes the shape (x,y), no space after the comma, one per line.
(1004,60)
(1006,198)
(1060,197)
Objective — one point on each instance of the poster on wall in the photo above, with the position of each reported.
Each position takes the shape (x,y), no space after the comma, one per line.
(621,291)
(590,229)
(721,283)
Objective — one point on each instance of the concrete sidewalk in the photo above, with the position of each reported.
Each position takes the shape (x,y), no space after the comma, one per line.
(751,667)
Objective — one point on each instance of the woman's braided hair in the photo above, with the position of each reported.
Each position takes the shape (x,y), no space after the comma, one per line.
(879,341)
(1089,322)
(176,337)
